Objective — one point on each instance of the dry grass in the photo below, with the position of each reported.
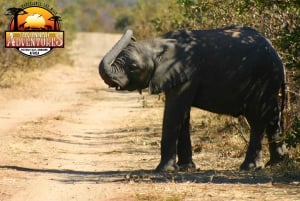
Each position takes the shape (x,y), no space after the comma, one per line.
(159,197)
(17,69)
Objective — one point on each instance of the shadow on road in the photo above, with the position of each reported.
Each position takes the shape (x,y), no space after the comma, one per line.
(148,176)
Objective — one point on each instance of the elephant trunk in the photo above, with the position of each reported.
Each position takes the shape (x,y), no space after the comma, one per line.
(111,74)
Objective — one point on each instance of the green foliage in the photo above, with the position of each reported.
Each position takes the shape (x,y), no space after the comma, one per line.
(97,15)
(123,21)
(293,137)
(148,18)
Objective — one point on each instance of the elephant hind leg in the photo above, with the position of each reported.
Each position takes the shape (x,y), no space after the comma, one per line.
(264,118)
(256,117)
(277,148)
(253,157)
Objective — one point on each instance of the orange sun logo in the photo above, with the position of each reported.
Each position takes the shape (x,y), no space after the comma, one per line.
(33,18)
(33,30)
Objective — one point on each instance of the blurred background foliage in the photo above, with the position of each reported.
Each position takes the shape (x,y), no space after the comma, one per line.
(278,20)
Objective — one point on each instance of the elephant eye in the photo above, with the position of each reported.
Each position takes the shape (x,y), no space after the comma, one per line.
(133,67)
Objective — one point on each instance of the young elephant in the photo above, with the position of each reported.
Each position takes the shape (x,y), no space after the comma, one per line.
(233,71)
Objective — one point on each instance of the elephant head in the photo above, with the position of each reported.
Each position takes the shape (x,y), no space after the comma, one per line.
(110,71)
(128,65)
(135,65)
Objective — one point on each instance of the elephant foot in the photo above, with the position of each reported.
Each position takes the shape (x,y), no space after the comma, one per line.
(187,167)
(279,154)
(167,166)
(276,160)
(254,165)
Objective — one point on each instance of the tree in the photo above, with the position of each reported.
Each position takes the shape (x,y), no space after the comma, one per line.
(55,20)
(15,12)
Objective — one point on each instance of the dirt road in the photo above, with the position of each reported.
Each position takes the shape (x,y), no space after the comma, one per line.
(66,136)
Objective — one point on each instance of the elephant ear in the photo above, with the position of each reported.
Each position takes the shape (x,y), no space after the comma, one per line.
(170,73)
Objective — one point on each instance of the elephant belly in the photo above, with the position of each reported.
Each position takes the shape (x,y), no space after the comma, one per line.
(228,108)
(221,100)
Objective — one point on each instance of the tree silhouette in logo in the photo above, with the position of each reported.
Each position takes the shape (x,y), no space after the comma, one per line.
(55,20)
(15,12)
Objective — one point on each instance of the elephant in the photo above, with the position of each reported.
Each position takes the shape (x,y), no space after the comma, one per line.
(233,71)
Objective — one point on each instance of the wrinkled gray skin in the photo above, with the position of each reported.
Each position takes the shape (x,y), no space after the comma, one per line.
(233,71)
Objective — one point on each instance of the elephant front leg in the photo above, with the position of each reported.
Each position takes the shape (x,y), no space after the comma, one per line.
(170,133)
(176,139)
(177,105)
(184,146)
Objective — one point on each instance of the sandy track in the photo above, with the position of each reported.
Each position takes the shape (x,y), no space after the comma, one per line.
(66,136)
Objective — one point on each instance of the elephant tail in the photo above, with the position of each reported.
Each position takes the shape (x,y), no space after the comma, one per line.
(283,103)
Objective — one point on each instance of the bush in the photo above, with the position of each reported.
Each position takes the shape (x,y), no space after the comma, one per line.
(293,137)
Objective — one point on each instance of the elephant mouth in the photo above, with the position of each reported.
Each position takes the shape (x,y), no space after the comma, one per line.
(128,87)
(119,88)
